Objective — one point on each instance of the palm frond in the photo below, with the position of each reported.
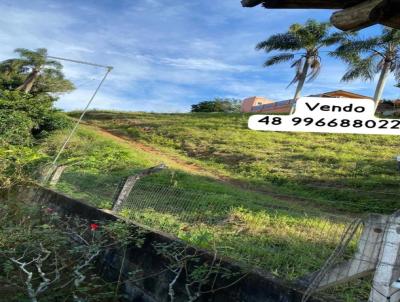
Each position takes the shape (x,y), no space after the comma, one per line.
(351,50)
(285,41)
(279,59)
(363,69)
(390,35)
(55,64)
(396,70)
(298,65)
(311,33)
(11,65)
(315,69)
(53,73)
(34,58)
(337,37)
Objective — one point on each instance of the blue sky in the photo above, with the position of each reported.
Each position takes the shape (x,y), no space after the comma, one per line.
(167,54)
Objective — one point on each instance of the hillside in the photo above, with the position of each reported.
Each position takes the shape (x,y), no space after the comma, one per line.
(200,202)
(352,173)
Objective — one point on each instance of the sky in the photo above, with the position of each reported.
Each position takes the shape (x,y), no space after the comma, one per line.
(166,54)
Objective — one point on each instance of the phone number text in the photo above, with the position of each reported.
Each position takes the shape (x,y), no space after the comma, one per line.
(333,123)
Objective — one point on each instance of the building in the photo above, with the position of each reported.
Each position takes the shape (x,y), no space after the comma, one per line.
(341,94)
(262,105)
(254,101)
(275,107)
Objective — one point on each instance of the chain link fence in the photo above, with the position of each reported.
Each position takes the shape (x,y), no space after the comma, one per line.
(290,243)
(97,189)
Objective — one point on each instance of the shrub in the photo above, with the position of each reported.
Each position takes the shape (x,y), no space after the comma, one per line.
(28,116)
(46,256)
(218,105)
(51,121)
(15,128)
(17,163)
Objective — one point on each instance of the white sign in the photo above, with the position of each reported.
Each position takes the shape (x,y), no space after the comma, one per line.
(328,115)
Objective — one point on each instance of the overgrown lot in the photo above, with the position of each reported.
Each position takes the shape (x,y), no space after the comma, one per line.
(286,238)
(354,173)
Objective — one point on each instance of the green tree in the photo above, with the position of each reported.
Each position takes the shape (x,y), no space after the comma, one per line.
(301,46)
(371,56)
(11,74)
(33,73)
(218,105)
(24,117)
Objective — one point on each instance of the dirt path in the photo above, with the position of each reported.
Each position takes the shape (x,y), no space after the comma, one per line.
(168,159)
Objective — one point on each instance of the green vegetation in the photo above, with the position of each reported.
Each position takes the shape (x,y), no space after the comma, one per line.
(288,243)
(27,114)
(33,73)
(45,257)
(264,199)
(96,164)
(218,105)
(351,173)
(287,238)
(248,226)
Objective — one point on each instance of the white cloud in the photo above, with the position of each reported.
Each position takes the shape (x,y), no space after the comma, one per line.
(167,54)
(203,64)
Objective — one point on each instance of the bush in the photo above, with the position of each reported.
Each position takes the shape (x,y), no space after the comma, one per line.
(15,128)
(60,252)
(24,116)
(51,121)
(218,105)
(17,164)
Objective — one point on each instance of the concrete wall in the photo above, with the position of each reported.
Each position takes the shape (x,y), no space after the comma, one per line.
(281,109)
(254,286)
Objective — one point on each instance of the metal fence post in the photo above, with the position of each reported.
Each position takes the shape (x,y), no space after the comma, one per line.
(127,187)
(387,269)
(378,252)
(57,175)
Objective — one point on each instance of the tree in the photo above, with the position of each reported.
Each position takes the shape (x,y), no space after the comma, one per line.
(368,57)
(33,73)
(11,75)
(218,105)
(24,117)
(301,46)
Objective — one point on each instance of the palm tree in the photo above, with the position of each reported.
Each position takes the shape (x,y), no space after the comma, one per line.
(301,45)
(10,74)
(368,57)
(35,63)
(33,73)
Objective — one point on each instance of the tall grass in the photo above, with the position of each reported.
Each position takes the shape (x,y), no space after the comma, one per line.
(356,173)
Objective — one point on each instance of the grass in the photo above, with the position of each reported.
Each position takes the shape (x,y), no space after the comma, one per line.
(97,164)
(284,237)
(350,173)
(288,243)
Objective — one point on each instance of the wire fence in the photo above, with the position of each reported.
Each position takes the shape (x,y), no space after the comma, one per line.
(326,254)
(287,242)
(97,189)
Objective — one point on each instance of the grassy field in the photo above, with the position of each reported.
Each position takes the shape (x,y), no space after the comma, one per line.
(245,220)
(351,173)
